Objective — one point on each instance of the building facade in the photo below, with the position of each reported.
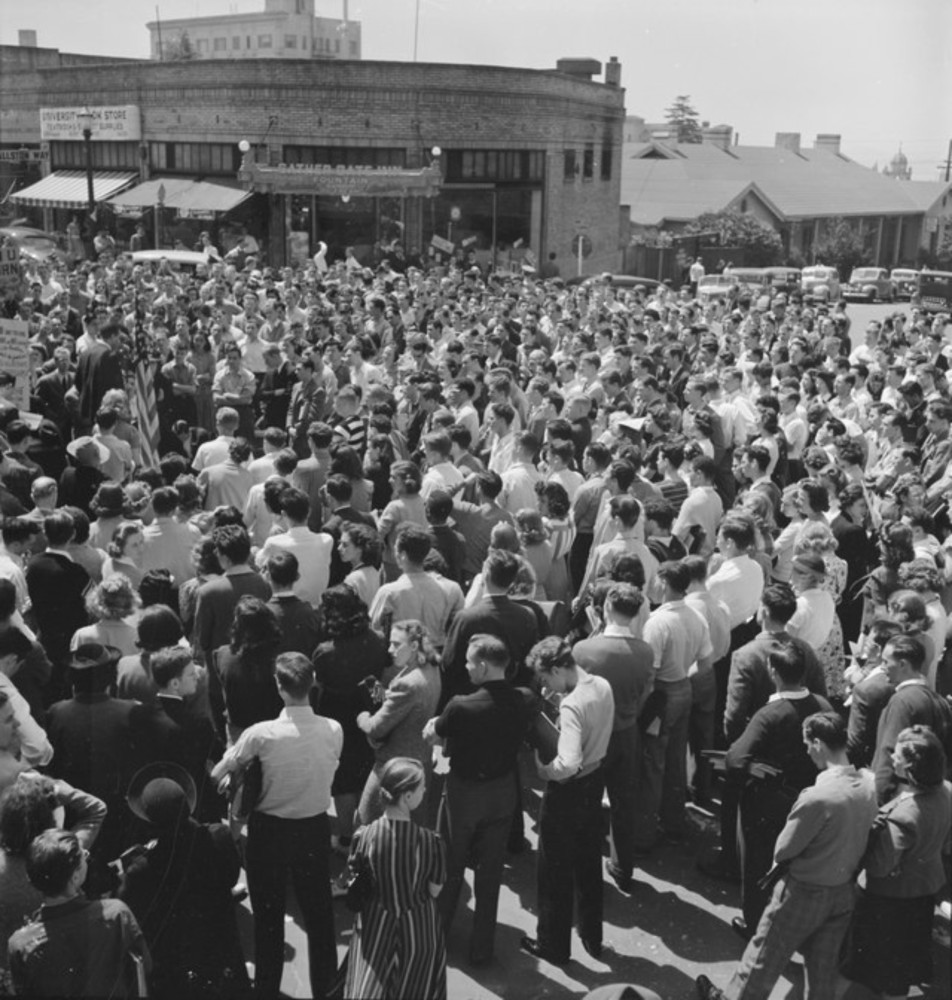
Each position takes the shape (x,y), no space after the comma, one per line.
(285,29)
(495,161)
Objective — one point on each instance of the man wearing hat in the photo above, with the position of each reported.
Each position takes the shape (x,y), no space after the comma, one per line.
(79,482)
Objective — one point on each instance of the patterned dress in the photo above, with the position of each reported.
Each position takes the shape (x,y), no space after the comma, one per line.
(832,654)
(397,950)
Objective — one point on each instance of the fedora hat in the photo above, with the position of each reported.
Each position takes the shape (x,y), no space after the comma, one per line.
(85,447)
(93,654)
(158,791)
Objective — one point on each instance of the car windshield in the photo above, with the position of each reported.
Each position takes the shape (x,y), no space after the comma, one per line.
(904,275)
(816,272)
(714,281)
(864,274)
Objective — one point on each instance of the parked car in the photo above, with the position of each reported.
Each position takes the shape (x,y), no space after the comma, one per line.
(714,288)
(33,243)
(751,279)
(904,281)
(820,283)
(615,280)
(867,284)
(783,279)
(934,292)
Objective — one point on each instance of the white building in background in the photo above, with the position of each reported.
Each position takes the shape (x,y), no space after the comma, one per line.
(286,29)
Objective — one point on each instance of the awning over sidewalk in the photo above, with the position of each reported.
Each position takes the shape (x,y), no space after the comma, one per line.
(67,189)
(185,194)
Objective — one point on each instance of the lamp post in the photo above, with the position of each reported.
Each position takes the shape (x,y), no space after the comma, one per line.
(159,205)
(86,119)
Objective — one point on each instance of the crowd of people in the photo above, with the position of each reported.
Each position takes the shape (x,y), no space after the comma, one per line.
(403,544)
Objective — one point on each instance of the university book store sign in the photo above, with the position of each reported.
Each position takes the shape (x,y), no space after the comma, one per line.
(116,123)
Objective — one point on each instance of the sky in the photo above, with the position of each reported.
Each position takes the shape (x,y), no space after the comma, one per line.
(878,72)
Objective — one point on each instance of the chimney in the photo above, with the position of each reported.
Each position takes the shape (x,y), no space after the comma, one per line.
(787,140)
(830,141)
(26,39)
(613,72)
(581,69)
(717,135)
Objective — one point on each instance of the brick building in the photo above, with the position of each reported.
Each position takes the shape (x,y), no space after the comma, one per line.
(495,160)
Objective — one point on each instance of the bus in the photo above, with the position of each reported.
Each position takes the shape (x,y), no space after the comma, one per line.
(934,291)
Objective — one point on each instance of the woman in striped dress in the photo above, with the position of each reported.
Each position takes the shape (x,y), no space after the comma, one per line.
(397,950)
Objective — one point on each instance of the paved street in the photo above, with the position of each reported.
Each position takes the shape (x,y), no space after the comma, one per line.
(675,926)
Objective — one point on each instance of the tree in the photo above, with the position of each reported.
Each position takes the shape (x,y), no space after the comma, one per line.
(684,119)
(840,246)
(761,244)
(179,49)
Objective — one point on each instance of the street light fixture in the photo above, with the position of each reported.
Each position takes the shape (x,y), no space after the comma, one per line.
(86,119)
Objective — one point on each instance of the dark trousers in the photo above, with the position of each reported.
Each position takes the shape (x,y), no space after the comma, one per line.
(701,729)
(578,558)
(299,849)
(474,822)
(570,862)
(764,807)
(621,773)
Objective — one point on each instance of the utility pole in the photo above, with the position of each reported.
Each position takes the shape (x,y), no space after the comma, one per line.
(947,166)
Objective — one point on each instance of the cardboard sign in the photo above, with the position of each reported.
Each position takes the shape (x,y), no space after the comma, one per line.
(9,271)
(15,359)
(444,245)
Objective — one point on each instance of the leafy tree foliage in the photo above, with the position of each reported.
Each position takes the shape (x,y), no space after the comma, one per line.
(840,246)
(179,49)
(761,244)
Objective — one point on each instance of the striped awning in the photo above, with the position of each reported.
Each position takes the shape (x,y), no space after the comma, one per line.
(67,189)
(185,194)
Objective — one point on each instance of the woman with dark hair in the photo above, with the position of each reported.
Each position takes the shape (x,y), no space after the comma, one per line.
(203,360)
(890,940)
(158,627)
(361,549)
(79,548)
(345,461)
(536,548)
(205,562)
(813,500)
(855,546)
(557,517)
(377,464)
(895,548)
(108,509)
(349,653)
(126,551)
(246,692)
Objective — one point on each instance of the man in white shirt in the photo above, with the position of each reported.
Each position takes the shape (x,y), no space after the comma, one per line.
(519,480)
(215,452)
(441,474)
(739,581)
(501,418)
(169,542)
(311,548)
(275,438)
(703,509)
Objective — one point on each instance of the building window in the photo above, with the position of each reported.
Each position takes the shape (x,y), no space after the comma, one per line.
(499,165)
(202,45)
(236,42)
(264,41)
(221,44)
(104,155)
(353,49)
(337,45)
(588,163)
(570,165)
(606,164)
(248,41)
(195,157)
(347,156)
(290,41)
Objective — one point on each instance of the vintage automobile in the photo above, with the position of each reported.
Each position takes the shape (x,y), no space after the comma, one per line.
(867,284)
(783,279)
(627,281)
(751,279)
(714,288)
(33,243)
(820,283)
(186,260)
(904,281)
(934,292)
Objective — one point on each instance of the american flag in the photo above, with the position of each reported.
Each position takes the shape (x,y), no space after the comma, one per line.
(143,395)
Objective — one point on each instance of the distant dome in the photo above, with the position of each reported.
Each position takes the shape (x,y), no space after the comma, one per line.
(899,160)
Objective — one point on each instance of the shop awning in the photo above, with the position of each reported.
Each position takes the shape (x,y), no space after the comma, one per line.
(188,196)
(67,189)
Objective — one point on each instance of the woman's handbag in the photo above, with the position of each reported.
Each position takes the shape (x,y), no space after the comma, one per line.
(244,789)
(361,884)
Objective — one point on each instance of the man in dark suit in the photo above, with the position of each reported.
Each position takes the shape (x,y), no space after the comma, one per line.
(98,371)
(300,624)
(914,703)
(627,664)
(51,391)
(869,697)
(93,737)
(172,733)
(335,497)
(57,586)
(496,614)
(749,687)
(80,481)
(307,401)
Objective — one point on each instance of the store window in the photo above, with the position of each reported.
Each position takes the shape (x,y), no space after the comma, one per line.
(222,158)
(347,156)
(264,41)
(493,165)
(497,225)
(104,155)
(606,164)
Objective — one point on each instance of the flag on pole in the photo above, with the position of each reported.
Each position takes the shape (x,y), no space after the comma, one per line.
(143,397)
